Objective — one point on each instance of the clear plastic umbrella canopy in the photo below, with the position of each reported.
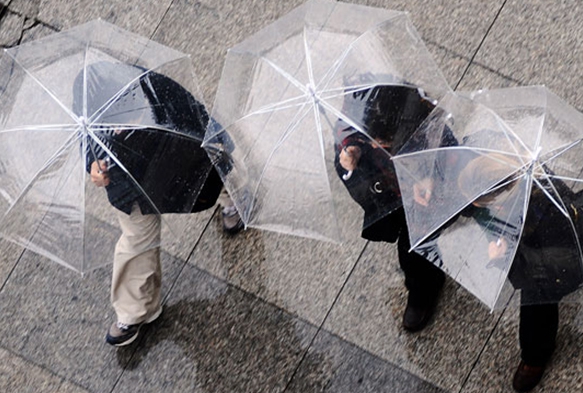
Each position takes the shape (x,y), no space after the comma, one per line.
(491,185)
(282,95)
(95,93)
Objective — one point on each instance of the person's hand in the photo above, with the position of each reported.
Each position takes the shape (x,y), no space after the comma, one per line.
(422,191)
(349,157)
(99,175)
(497,249)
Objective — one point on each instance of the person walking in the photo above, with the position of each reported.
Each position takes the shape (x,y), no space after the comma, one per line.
(389,114)
(546,266)
(146,172)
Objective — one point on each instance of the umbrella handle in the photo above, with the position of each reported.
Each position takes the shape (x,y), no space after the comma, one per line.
(347,175)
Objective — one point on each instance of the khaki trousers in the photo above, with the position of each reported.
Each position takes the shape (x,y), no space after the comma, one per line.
(137,272)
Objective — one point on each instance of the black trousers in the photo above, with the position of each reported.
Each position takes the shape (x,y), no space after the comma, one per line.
(537,332)
(422,278)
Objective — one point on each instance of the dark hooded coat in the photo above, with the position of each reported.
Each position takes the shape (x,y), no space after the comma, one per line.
(168,170)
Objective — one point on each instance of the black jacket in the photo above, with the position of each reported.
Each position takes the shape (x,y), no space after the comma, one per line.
(547,264)
(161,169)
(391,113)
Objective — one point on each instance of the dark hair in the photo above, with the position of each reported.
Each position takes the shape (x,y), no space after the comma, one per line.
(394,110)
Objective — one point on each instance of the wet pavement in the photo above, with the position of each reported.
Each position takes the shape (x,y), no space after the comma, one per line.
(263,312)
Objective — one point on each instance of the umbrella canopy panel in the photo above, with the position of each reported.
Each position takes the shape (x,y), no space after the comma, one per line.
(491,184)
(281,94)
(85,94)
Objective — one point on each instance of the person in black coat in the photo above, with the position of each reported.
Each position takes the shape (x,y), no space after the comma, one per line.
(547,263)
(388,114)
(146,152)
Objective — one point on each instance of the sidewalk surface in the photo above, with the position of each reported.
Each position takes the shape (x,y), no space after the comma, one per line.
(261,312)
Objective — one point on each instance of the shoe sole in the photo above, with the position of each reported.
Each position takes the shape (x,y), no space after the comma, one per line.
(128,341)
(150,319)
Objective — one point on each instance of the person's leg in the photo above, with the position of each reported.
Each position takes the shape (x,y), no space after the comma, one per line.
(137,275)
(538,331)
(539,324)
(232,222)
(423,280)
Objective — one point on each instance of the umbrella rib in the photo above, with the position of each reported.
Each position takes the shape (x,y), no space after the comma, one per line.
(122,167)
(282,105)
(561,150)
(323,155)
(561,205)
(308,60)
(334,68)
(507,130)
(134,127)
(472,148)
(266,109)
(43,87)
(52,127)
(85,63)
(565,178)
(341,116)
(292,127)
(286,75)
(112,100)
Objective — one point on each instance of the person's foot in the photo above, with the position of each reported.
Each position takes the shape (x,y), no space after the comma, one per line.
(417,316)
(527,377)
(232,222)
(120,334)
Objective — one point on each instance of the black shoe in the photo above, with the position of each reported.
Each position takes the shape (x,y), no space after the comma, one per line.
(527,377)
(416,317)
(232,222)
(120,334)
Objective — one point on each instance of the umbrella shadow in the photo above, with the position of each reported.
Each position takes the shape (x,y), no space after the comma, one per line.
(233,340)
(232,337)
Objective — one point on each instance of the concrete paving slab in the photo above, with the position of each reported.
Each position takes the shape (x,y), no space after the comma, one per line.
(302,276)
(479,77)
(19,375)
(213,337)
(538,42)
(369,314)
(8,259)
(140,16)
(213,27)
(58,319)
(458,26)
(502,355)
(26,8)
(350,369)
(181,245)
(11,29)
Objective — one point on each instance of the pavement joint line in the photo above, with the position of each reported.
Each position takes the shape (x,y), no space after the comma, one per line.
(62,378)
(481,43)
(161,20)
(12,270)
(164,300)
(320,328)
(467,378)
(474,63)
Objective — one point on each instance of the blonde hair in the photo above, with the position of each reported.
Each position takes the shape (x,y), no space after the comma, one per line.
(494,169)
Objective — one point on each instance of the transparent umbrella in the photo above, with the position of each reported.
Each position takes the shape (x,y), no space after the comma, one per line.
(491,185)
(95,93)
(291,93)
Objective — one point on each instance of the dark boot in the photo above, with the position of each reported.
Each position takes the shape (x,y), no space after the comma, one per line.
(527,377)
(417,316)
(424,282)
